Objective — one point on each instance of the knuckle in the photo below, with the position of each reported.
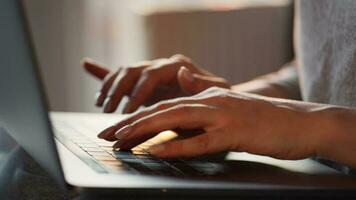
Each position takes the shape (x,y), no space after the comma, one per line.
(224,81)
(141,64)
(183,109)
(162,105)
(180,57)
(210,91)
(217,91)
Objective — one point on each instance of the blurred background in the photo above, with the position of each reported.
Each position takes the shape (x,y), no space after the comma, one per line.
(236,39)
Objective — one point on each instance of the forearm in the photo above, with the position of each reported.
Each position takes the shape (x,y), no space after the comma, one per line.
(280,84)
(323,130)
(336,130)
(327,129)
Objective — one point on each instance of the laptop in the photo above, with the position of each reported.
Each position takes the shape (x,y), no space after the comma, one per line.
(66,146)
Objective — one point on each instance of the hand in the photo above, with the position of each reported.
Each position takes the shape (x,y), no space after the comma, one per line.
(151,81)
(230,121)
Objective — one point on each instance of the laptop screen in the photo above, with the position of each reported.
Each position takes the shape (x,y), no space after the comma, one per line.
(23,112)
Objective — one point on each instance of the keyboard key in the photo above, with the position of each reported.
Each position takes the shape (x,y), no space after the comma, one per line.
(107,148)
(199,164)
(87,145)
(131,160)
(162,169)
(140,168)
(124,155)
(147,160)
(140,152)
(186,169)
(104,143)
(98,153)
(146,156)
(111,162)
(104,158)
(91,149)
(136,148)
(157,166)
(173,160)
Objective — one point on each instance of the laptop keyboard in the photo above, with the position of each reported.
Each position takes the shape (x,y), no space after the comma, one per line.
(100,155)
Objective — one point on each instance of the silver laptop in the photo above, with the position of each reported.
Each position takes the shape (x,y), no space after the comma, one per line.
(66,146)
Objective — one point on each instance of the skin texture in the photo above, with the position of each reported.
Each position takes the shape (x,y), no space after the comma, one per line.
(150,81)
(231,118)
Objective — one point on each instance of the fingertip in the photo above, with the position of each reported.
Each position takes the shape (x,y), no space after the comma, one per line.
(106,131)
(100,98)
(87,63)
(94,68)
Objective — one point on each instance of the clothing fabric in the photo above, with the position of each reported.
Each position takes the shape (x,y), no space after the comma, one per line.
(325,33)
(21,177)
(325,45)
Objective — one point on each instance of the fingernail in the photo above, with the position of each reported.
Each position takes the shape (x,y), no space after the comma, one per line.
(187,74)
(105,131)
(117,145)
(156,149)
(122,132)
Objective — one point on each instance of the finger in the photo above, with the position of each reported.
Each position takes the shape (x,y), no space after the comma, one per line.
(163,72)
(143,90)
(122,85)
(206,143)
(108,81)
(189,116)
(195,83)
(110,133)
(95,69)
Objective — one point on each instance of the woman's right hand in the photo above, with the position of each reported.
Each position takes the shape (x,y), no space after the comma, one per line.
(149,82)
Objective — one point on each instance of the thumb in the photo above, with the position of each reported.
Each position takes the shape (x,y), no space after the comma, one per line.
(194,83)
(95,69)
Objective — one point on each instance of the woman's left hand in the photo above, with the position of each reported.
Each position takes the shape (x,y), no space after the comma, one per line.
(230,121)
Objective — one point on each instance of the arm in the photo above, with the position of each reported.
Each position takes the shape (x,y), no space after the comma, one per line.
(244,122)
(334,125)
(281,84)
(152,81)
(276,127)
(338,139)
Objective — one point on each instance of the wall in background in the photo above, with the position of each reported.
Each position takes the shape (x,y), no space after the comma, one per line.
(116,31)
(66,31)
(238,42)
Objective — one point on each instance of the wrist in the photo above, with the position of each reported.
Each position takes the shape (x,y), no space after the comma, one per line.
(321,128)
(336,137)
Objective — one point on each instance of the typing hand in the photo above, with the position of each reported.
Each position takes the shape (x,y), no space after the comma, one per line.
(149,82)
(230,121)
